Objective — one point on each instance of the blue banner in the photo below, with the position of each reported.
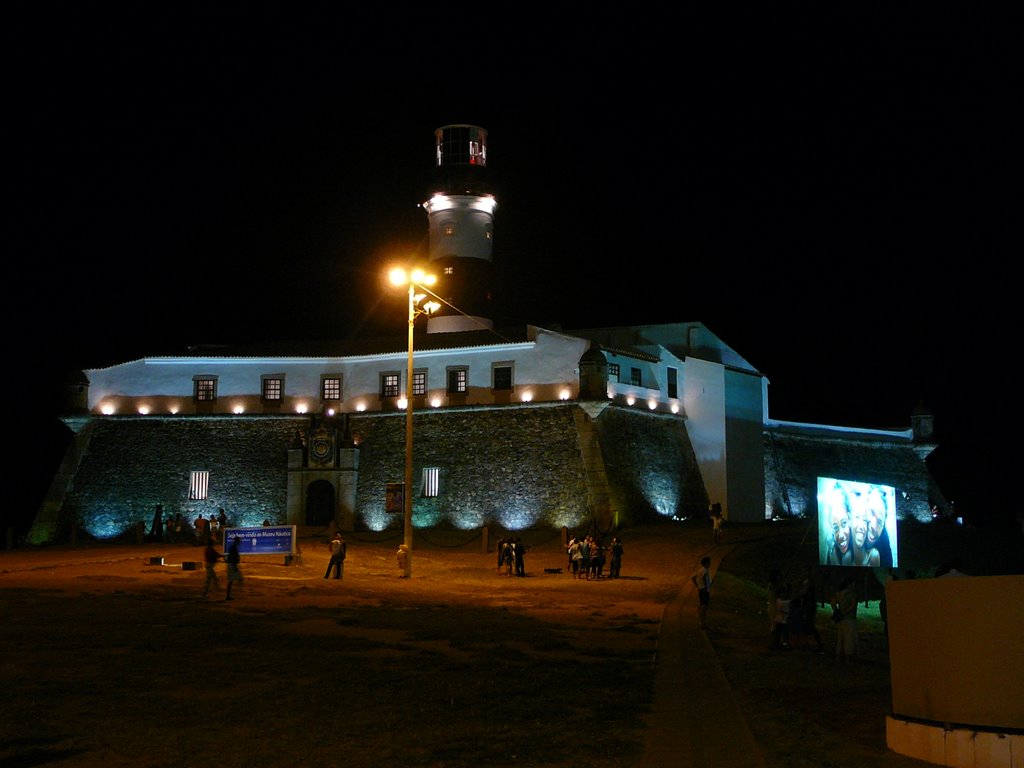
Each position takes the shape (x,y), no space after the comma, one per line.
(265,540)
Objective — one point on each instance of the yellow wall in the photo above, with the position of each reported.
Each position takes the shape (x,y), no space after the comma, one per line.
(956,650)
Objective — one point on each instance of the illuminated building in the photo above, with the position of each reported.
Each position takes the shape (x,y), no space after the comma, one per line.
(519,427)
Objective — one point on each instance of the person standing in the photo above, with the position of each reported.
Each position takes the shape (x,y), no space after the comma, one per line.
(702,581)
(519,553)
(716,523)
(615,565)
(845,602)
(233,558)
(202,531)
(809,608)
(210,558)
(157,530)
(337,547)
(575,557)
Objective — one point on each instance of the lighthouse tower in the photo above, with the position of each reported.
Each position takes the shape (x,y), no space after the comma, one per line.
(460,213)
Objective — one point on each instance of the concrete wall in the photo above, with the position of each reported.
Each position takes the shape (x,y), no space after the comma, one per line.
(957,677)
(955,650)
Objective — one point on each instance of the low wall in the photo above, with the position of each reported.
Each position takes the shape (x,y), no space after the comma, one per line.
(957,677)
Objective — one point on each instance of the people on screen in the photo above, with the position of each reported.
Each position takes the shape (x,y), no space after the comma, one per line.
(878,534)
(839,517)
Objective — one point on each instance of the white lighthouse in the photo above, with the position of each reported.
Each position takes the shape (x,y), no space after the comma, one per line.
(460,212)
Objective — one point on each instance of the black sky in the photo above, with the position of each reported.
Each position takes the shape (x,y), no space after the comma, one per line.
(826,190)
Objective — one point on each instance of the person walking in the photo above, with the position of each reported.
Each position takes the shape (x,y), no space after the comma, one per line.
(233,558)
(210,558)
(702,581)
(337,561)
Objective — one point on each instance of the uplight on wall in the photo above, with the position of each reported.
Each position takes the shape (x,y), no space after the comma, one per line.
(630,400)
(144,410)
(527,396)
(301,408)
(360,407)
(402,402)
(564,394)
(675,407)
(107,409)
(652,403)
(239,409)
(330,411)
(436,401)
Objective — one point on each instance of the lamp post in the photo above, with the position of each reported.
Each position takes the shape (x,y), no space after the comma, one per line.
(415,279)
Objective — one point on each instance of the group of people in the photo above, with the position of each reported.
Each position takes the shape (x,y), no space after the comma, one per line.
(858,525)
(177,529)
(511,556)
(792,613)
(588,557)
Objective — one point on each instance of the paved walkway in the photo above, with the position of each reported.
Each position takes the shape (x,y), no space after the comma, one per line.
(696,720)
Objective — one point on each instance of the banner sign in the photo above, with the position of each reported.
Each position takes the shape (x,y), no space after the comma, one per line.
(265,540)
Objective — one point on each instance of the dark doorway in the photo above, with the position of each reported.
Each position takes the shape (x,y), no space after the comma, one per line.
(319,503)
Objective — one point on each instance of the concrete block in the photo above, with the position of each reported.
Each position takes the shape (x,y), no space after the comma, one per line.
(991,749)
(189,566)
(917,740)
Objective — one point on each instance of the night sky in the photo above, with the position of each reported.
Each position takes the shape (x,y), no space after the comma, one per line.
(827,191)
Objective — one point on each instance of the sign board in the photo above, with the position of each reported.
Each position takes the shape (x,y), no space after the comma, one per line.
(264,540)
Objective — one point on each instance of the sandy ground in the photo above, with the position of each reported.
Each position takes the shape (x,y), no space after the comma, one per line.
(112,656)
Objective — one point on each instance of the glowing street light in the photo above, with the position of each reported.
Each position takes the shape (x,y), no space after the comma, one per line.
(415,279)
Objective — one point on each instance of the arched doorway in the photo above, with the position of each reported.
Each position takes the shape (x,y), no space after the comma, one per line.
(320,503)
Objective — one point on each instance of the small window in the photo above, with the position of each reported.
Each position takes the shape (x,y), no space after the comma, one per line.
(431,481)
(330,388)
(199,485)
(457,379)
(419,383)
(389,384)
(205,390)
(502,377)
(488,233)
(613,373)
(673,386)
(449,270)
(634,377)
(273,388)
(448,229)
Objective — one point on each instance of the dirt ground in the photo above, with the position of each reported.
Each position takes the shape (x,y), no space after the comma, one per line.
(111,659)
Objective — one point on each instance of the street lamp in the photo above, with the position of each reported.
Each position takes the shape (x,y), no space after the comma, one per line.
(415,279)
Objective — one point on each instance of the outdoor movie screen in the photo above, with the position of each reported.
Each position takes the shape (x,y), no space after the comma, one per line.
(856,523)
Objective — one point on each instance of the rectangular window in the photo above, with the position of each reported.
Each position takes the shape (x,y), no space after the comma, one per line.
(673,385)
(389,384)
(431,481)
(449,270)
(330,388)
(205,390)
(419,383)
(613,373)
(273,388)
(457,378)
(634,377)
(199,485)
(502,377)
(448,229)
